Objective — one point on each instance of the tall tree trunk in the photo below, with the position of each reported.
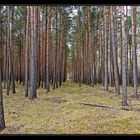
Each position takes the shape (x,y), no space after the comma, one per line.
(127,39)
(115,56)
(106,50)
(47,47)
(11,45)
(124,82)
(2,121)
(33,53)
(135,73)
(26,53)
(7,54)
(90,48)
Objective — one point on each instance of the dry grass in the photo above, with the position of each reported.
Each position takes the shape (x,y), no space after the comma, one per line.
(51,114)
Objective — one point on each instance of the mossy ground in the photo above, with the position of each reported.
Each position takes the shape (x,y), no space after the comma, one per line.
(51,114)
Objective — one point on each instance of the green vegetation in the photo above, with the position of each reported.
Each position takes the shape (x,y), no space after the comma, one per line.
(60,112)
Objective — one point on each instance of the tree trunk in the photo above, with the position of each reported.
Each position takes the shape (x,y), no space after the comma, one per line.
(7,54)
(106,50)
(2,121)
(124,82)
(115,56)
(33,53)
(26,53)
(135,74)
(47,47)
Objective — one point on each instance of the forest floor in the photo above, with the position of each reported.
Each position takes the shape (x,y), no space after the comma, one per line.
(71,109)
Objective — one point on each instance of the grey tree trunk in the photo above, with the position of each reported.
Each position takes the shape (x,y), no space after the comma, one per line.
(124,82)
(55,84)
(2,121)
(7,53)
(127,39)
(106,50)
(47,47)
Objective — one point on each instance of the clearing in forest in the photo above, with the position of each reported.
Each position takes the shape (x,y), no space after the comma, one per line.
(71,110)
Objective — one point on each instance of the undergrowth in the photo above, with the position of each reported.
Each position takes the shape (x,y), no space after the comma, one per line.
(59,111)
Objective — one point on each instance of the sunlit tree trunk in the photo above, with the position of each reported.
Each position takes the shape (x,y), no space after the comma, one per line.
(33,53)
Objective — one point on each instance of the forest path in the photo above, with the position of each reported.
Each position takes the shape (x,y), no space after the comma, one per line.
(68,110)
